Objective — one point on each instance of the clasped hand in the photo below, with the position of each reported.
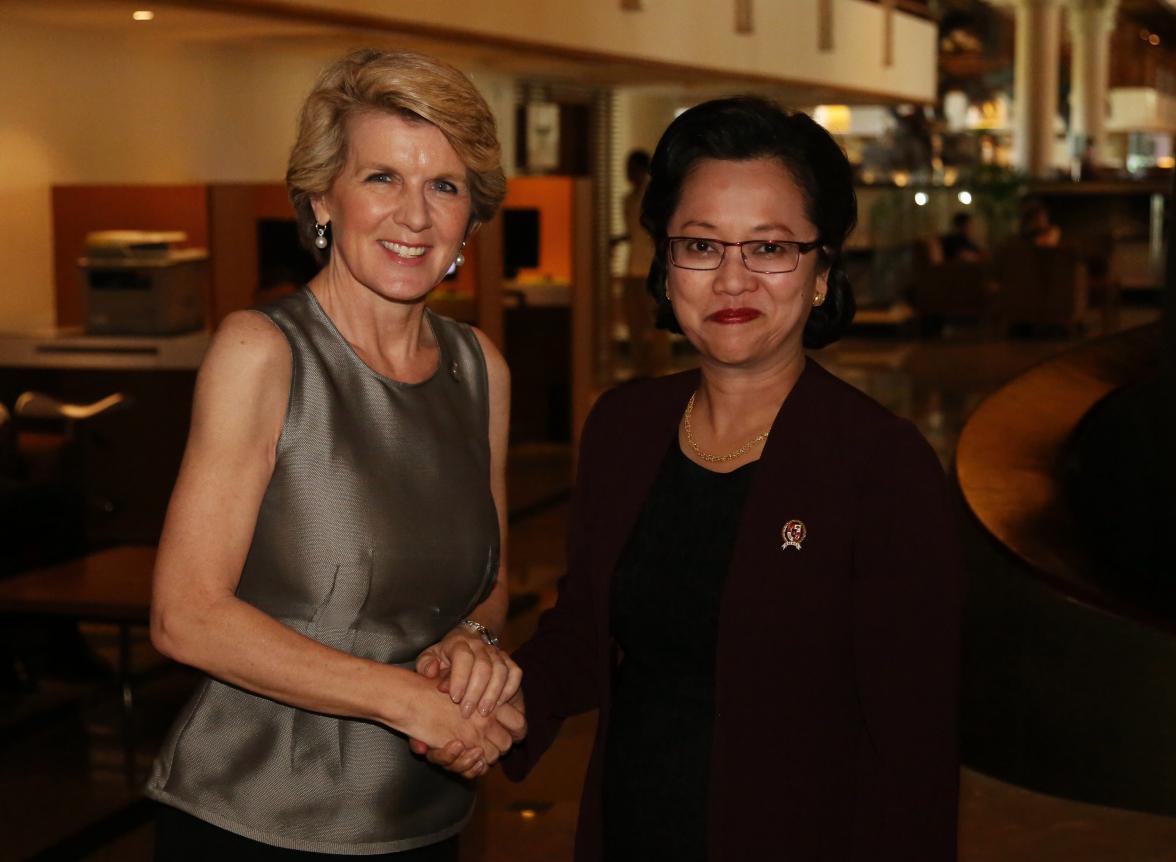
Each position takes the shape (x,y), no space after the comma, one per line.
(480,678)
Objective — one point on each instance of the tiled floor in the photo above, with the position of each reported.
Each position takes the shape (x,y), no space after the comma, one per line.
(62,778)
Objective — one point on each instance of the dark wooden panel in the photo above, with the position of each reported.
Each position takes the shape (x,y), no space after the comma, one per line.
(80,209)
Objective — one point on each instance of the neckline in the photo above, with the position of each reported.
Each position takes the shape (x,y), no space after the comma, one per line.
(441,353)
(677,447)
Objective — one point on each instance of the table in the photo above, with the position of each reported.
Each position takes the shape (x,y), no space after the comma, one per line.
(110,586)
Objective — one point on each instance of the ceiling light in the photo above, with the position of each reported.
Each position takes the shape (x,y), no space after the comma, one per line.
(964,197)
(143,15)
(921,199)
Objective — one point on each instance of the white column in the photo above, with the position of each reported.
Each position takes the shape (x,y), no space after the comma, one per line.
(1035,85)
(1091,22)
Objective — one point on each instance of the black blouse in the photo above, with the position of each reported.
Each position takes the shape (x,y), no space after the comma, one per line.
(665,611)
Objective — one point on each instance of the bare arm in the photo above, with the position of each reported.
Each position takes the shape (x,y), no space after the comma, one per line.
(241,395)
(492,612)
(473,673)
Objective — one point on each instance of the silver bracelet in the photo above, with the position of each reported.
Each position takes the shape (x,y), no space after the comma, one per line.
(487,634)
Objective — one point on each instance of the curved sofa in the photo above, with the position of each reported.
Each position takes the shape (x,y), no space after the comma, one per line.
(1068,689)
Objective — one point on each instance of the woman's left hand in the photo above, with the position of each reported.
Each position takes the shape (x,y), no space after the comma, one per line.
(472,672)
(469,763)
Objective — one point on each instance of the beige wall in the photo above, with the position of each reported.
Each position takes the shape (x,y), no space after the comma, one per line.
(106,108)
(111,106)
(116,109)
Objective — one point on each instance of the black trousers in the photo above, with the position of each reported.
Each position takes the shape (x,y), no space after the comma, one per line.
(180,837)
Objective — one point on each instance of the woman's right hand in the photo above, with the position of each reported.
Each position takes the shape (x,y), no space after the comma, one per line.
(435,722)
(455,757)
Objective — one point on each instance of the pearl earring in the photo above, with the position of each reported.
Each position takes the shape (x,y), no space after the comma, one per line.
(460,259)
(320,241)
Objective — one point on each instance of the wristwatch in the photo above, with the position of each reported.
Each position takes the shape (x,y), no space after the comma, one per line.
(487,634)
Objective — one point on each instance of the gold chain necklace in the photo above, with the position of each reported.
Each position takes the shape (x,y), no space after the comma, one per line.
(706,456)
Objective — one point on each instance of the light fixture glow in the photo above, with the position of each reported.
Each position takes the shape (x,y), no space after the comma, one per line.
(1153,39)
(965,198)
(921,199)
(836,119)
(527,814)
(143,15)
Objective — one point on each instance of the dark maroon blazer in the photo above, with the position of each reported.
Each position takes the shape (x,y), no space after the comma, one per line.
(837,664)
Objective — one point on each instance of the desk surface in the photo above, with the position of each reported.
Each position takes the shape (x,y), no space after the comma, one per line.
(112,585)
(70,348)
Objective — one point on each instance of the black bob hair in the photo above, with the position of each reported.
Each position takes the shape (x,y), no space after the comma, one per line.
(744,128)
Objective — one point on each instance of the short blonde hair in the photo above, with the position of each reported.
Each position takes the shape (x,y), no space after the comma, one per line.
(412,85)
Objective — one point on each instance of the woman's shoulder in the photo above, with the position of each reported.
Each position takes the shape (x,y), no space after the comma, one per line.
(497,371)
(246,350)
(458,333)
(646,396)
(855,407)
(249,335)
(854,422)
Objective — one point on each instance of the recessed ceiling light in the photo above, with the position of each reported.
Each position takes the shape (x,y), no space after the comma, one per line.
(143,15)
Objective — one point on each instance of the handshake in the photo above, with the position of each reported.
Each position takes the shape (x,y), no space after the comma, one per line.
(472,711)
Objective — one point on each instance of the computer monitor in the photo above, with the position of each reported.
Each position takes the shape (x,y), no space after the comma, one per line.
(520,240)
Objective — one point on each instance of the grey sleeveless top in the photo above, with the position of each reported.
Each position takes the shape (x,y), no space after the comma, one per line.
(376,535)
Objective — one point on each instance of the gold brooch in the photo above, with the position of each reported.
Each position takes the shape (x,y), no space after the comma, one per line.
(794,533)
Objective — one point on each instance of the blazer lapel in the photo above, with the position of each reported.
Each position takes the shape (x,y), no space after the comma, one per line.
(780,493)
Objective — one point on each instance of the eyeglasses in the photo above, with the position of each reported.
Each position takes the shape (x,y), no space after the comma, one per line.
(765,256)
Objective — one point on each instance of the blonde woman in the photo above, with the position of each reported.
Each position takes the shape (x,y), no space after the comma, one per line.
(339,513)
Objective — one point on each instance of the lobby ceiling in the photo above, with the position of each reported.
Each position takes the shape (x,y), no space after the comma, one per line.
(221,22)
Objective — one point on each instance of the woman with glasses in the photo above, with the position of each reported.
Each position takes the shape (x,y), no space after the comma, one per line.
(763,590)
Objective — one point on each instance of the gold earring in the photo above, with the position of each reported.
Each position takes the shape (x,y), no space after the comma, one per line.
(818,300)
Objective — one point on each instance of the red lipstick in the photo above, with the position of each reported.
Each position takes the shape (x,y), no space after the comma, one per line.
(734,315)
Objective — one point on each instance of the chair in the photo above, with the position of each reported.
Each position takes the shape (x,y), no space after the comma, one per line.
(43,495)
(47,435)
(1042,286)
(43,509)
(956,289)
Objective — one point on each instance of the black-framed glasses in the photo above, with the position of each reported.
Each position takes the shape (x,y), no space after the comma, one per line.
(765,256)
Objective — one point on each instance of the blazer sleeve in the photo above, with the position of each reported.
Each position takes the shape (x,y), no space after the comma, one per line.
(562,661)
(906,615)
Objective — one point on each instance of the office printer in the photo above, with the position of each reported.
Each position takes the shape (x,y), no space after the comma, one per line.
(138,283)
